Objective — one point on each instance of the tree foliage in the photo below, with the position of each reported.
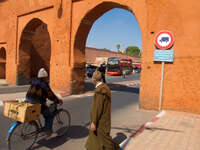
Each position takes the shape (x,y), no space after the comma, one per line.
(133,50)
(119,51)
(118,46)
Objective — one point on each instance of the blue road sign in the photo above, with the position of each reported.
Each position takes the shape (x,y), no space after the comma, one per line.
(164,55)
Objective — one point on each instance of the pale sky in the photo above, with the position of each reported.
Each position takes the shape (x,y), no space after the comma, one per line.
(117,26)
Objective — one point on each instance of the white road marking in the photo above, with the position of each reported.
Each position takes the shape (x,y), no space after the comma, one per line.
(148,124)
(125,142)
(161,114)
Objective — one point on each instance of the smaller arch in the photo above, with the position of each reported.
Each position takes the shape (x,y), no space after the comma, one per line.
(34,51)
(2,63)
(2,54)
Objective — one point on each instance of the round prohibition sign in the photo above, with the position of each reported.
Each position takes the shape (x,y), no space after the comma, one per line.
(164,40)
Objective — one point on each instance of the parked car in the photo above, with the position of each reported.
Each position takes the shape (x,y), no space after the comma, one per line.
(137,70)
(90,70)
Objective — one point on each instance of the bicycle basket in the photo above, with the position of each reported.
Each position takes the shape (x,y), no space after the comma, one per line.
(22,112)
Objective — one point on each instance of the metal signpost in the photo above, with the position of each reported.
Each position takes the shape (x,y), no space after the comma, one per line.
(164,41)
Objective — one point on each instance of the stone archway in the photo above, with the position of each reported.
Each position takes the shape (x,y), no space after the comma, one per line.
(2,63)
(83,30)
(34,51)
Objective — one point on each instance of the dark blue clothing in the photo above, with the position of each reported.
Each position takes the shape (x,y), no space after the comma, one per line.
(102,69)
(48,116)
(38,93)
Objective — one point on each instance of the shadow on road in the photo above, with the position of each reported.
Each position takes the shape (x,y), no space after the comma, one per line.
(13,89)
(88,87)
(162,129)
(127,130)
(120,137)
(115,87)
(75,132)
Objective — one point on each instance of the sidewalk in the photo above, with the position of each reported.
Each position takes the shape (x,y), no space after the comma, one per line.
(173,131)
(3,82)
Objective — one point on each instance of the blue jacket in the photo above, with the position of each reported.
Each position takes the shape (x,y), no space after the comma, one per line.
(39,91)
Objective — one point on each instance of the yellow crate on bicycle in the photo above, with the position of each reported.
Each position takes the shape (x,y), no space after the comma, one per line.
(22,111)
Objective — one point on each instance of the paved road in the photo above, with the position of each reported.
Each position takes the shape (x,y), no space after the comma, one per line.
(110,79)
(126,119)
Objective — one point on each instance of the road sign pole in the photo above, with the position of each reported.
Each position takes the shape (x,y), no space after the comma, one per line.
(164,40)
(161,85)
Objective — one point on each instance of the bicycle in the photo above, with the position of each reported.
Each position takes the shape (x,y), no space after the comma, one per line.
(27,133)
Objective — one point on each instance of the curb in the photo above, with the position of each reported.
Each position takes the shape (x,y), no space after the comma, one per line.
(64,94)
(141,129)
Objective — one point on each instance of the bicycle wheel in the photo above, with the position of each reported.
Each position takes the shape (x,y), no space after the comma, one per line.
(61,122)
(23,136)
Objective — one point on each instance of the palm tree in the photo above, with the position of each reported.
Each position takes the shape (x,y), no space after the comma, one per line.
(118,48)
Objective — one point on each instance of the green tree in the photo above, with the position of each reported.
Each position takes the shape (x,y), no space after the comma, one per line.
(118,48)
(133,50)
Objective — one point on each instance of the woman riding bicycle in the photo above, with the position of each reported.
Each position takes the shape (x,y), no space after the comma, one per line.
(38,92)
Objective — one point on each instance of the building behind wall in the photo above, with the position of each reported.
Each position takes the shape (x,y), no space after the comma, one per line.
(92,54)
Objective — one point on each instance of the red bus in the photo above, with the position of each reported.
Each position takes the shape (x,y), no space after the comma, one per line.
(116,66)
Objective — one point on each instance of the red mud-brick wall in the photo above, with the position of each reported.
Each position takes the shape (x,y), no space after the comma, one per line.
(16,15)
(4,34)
(4,21)
(41,50)
(181,78)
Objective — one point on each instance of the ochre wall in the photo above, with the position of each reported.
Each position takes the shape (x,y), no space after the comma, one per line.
(68,35)
(34,51)
(19,14)
(181,79)
(41,51)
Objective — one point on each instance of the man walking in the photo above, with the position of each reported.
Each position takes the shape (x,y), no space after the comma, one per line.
(102,69)
(100,117)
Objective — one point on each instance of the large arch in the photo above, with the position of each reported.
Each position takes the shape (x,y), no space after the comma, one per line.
(34,51)
(80,40)
(2,63)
